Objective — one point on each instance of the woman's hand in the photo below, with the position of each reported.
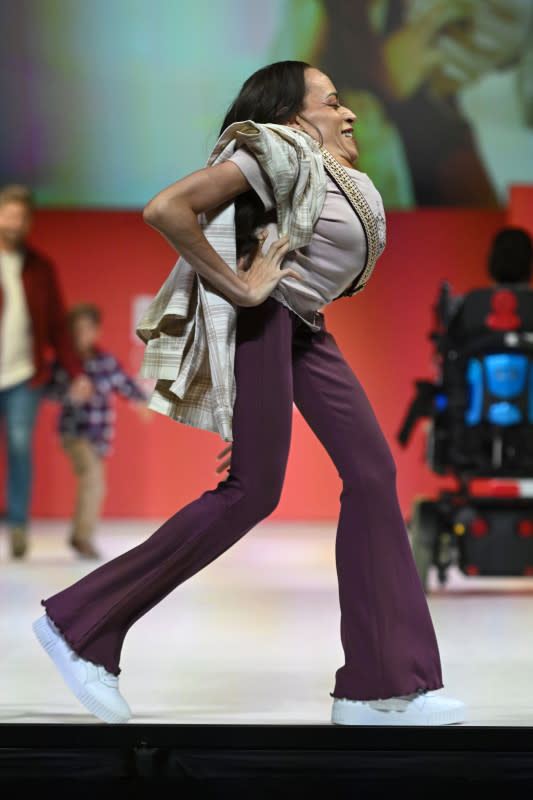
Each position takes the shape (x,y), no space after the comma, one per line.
(263,273)
(409,53)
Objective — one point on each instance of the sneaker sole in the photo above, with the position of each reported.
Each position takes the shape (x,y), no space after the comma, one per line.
(344,715)
(50,645)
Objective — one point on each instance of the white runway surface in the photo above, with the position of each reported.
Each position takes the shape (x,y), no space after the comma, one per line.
(254,638)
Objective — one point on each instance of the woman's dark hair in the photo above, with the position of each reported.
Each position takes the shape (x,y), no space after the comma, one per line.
(274,93)
(510,259)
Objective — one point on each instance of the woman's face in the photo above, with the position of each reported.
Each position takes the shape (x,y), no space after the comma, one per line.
(322,110)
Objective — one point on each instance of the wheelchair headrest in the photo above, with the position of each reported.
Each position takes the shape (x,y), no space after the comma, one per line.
(497,309)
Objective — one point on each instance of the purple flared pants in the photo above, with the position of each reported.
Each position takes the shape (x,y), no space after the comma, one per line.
(387,634)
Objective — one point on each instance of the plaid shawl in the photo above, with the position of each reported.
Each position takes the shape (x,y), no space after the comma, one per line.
(189,329)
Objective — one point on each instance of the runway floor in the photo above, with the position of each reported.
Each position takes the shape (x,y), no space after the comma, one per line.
(254,638)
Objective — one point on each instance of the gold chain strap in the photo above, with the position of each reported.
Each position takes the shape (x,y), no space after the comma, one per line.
(363,211)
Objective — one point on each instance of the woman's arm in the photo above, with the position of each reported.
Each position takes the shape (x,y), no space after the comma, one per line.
(174,213)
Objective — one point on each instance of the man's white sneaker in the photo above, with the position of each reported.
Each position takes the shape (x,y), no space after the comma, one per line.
(421,708)
(92,684)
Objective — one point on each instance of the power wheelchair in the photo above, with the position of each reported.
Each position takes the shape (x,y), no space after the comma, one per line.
(480,431)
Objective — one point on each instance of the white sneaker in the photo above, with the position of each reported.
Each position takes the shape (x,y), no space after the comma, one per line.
(92,684)
(421,708)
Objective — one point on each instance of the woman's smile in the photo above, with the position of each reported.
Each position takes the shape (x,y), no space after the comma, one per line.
(326,120)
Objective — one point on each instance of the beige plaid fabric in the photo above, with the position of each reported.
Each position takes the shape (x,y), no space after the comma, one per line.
(189,329)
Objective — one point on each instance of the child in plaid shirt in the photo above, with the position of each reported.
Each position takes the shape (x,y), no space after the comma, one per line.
(87,429)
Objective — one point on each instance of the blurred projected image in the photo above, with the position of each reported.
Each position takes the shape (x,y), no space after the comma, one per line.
(444,92)
(101,100)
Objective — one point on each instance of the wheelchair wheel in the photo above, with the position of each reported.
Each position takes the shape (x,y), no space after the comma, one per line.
(424,532)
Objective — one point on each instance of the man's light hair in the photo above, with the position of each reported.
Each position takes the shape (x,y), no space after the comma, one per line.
(16,193)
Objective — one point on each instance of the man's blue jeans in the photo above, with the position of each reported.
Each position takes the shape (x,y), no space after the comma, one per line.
(19,405)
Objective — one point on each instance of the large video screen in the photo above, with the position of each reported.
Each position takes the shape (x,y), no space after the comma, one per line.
(105,102)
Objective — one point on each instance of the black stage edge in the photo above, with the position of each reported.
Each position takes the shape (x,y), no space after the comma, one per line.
(264,761)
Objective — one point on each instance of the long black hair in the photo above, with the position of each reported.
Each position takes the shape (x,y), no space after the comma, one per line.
(274,93)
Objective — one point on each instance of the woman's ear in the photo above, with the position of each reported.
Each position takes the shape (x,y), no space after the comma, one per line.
(294,122)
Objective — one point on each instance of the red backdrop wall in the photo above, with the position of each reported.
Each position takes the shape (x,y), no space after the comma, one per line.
(110,258)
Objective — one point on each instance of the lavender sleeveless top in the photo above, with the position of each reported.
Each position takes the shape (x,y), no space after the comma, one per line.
(337,251)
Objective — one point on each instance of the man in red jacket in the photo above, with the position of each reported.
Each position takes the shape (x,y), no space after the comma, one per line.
(32,320)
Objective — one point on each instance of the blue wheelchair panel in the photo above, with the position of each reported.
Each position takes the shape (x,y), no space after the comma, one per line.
(504,413)
(506,378)
(474,380)
(506,374)
(530,408)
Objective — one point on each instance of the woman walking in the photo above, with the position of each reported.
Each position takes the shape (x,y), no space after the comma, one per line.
(275,227)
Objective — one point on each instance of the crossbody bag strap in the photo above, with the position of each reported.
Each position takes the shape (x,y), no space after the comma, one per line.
(361,207)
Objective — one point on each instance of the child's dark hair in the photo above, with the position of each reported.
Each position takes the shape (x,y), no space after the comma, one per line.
(86,311)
